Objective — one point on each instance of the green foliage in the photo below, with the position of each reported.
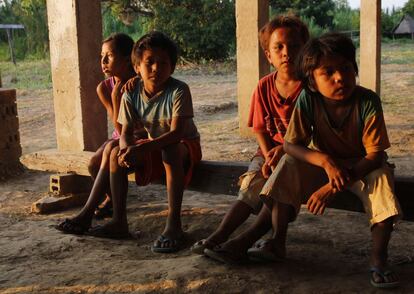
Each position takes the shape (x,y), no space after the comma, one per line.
(389,19)
(203,29)
(314,29)
(321,11)
(33,41)
(346,19)
(111,23)
(29,74)
(409,8)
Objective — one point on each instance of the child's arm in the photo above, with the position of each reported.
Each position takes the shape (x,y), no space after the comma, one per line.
(106,99)
(338,175)
(319,199)
(366,165)
(116,97)
(176,133)
(272,154)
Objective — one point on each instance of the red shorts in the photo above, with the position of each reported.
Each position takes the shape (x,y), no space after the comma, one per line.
(153,168)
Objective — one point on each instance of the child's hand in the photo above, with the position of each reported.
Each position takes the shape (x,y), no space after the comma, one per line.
(338,175)
(127,156)
(320,199)
(130,84)
(116,91)
(272,158)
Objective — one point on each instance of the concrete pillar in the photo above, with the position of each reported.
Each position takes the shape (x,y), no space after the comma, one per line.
(75,34)
(370,45)
(251,61)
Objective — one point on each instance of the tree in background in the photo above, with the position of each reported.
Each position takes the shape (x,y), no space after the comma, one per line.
(321,12)
(389,19)
(345,18)
(203,29)
(409,8)
(32,14)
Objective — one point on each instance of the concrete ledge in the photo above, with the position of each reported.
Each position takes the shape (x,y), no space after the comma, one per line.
(211,177)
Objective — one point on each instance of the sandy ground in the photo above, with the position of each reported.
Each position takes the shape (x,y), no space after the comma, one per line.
(327,254)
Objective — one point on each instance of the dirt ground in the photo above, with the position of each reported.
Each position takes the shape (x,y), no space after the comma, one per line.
(327,254)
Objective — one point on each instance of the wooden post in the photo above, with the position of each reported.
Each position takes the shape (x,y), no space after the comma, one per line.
(251,61)
(370,45)
(75,34)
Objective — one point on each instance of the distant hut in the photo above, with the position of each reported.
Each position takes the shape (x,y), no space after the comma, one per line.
(405,26)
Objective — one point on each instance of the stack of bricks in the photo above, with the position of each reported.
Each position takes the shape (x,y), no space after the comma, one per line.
(10,149)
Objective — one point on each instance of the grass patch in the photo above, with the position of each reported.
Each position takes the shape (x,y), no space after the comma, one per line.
(28,74)
(397,52)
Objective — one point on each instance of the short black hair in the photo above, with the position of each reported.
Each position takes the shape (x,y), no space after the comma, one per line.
(123,43)
(153,40)
(328,44)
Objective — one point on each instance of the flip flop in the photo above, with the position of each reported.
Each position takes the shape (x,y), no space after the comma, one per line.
(199,246)
(69,226)
(225,256)
(383,274)
(263,255)
(100,231)
(259,253)
(174,244)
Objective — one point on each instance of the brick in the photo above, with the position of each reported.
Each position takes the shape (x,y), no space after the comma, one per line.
(63,184)
(51,204)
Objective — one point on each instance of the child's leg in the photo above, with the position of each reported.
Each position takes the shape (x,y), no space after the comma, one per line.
(376,191)
(235,250)
(173,157)
(381,234)
(248,202)
(95,162)
(100,186)
(282,214)
(238,214)
(118,179)
(246,239)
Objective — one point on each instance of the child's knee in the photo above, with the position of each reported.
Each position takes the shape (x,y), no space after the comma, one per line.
(174,154)
(94,163)
(109,147)
(386,224)
(113,155)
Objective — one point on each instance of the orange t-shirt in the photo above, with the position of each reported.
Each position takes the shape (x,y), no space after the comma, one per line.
(269,112)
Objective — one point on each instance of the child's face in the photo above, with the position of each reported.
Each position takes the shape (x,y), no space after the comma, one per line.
(284,46)
(335,78)
(154,68)
(112,63)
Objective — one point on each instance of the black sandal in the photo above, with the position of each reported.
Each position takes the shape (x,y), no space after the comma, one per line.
(69,226)
(104,211)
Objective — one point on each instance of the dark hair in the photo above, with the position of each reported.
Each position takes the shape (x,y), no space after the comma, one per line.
(282,21)
(155,40)
(329,44)
(123,43)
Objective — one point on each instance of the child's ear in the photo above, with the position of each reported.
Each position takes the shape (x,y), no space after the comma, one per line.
(136,68)
(267,53)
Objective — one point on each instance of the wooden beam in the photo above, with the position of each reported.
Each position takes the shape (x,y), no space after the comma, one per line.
(214,177)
